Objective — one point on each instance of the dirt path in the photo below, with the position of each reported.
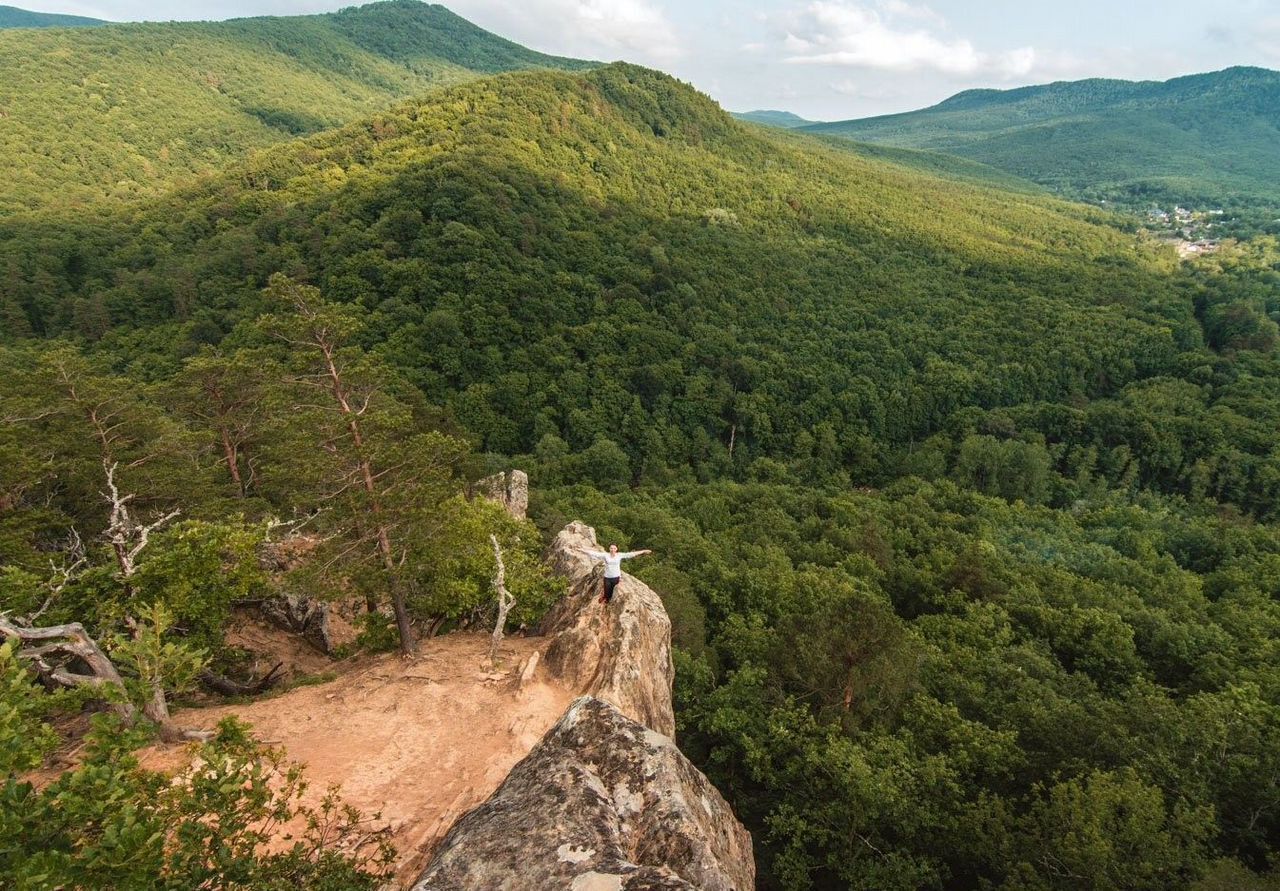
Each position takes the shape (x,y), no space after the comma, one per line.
(422,741)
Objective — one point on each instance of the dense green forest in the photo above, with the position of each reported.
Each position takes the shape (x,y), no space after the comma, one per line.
(13,17)
(125,110)
(1209,140)
(964,499)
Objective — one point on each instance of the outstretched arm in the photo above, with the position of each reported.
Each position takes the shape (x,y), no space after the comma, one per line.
(629,554)
(594,555)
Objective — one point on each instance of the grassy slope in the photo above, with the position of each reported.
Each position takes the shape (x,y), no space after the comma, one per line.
(126,109)
(1200,138)
(13,17)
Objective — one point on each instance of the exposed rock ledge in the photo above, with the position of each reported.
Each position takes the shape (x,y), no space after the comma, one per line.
(601,803)
(605,801)
(620,653)
(510,489)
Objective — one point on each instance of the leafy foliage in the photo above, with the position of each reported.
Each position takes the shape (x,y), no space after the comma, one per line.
(924,686)
(107,823)
(964,500)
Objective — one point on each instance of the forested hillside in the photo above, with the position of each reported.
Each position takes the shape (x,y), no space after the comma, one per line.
(124,110)
(963,499)
(12,17)
(1208,139)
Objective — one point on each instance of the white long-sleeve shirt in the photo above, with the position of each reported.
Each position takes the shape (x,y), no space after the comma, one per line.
(612,562)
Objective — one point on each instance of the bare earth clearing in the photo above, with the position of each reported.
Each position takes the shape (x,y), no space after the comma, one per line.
(422,741)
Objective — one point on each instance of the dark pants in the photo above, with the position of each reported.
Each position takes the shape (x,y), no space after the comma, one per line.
(609,585)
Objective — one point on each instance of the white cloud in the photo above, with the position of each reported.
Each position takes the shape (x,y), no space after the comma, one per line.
(1266,39)
(890,37)
(637,30)
(919,11)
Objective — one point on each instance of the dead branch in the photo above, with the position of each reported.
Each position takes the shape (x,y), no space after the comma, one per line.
(70,642)
(127,538)
(61,575)
(69,646)
(505,601)
(227,687)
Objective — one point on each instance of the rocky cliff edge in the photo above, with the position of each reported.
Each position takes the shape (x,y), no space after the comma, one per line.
(605,801)
(620,652)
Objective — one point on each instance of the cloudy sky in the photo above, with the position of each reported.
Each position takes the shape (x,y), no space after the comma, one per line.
(833,59)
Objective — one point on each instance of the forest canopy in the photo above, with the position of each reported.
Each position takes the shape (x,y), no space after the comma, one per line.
(964,499)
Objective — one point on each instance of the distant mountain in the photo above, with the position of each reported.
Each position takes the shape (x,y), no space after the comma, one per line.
(1203,139)
(940,164)
(784,119)
(12,17)
(125,109)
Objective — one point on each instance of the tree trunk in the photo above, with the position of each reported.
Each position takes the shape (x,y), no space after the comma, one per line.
(70,640)
(505,601)
(408,646)
(156,708)
(232,458)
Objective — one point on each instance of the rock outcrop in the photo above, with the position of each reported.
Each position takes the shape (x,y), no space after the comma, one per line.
(605,801)
(620,653)
(302,616)
(601,803)
(510,489)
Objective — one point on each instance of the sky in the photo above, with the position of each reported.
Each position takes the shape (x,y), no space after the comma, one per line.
(839,59)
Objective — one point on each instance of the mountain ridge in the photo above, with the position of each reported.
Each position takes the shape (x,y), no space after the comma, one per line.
(772,118)
(124,110)
(14,17)
(1105,138)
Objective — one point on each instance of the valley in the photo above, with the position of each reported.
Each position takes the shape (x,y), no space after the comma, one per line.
(952,434)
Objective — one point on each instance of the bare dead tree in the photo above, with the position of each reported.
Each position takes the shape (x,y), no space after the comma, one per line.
(61,574)
(127,538)
(56,653)
(505,601)
(52,649)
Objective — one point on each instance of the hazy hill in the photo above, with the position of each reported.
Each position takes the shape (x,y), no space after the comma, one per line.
(12,17)
(1204,139)
(124,109)
(784,119)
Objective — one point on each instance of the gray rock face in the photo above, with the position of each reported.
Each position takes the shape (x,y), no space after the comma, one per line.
(302,616)
(510,489)
(602,803)
(621,652)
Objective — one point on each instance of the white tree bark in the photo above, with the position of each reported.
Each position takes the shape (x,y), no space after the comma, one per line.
(127,538)
(68,641)
(505,601)
(71,641)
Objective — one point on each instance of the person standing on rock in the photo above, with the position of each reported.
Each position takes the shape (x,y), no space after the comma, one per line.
(612,567)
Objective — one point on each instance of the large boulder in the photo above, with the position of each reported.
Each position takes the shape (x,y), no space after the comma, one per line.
(510,489)
(601,803)
(621,652)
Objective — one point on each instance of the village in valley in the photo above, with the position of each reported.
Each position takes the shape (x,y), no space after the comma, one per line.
(1190,231)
